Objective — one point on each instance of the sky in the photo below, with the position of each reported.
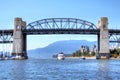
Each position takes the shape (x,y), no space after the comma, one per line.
(33,10)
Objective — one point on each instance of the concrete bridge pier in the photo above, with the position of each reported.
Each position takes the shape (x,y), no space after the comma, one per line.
(103,39)
(19,39)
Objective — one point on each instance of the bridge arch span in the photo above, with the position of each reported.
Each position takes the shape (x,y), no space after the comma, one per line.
(60,23)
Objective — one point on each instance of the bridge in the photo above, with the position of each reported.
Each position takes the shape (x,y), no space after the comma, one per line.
(58,26)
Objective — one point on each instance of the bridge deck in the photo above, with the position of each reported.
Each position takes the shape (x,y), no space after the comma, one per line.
(9,31)
(5,33)
(61,31)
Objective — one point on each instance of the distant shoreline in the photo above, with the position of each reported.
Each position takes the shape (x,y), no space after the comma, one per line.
(93,57)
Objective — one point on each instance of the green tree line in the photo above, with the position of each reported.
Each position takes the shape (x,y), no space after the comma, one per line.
(85,51)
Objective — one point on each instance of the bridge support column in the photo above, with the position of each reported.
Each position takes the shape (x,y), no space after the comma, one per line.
(98,37)
(104,52)
(19,39)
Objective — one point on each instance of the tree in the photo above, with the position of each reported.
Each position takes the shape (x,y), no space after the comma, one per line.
(95,51)
(84,51)
(115,52)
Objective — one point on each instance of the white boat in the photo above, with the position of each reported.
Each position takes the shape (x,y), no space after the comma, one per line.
(61,56)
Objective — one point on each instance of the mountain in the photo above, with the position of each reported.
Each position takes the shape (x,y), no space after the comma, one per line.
(66,46)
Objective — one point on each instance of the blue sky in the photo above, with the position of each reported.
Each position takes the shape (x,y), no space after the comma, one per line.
(32,10)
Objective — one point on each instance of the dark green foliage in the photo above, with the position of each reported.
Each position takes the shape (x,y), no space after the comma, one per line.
(77,53)
(84,51)
(115,52)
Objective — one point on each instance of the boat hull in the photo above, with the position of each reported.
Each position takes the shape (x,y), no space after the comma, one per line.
(60,58)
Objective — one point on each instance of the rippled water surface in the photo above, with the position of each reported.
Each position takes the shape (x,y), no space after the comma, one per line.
(52,69)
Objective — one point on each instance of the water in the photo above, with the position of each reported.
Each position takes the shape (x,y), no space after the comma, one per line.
(52,69)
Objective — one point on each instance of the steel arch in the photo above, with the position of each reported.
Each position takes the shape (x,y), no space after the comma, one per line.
(60,23)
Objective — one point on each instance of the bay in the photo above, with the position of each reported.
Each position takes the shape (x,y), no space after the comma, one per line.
(53,69)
